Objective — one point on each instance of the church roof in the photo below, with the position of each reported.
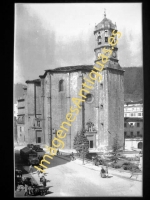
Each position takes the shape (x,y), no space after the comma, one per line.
(33,81)
(116,66)
(69,69)
(73,68)
(105,23)
(86,68)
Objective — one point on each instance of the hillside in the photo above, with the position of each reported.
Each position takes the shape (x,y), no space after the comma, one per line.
(133,85)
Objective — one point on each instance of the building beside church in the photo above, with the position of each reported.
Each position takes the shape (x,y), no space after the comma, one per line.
(48,99)
(133,109)
(133,132)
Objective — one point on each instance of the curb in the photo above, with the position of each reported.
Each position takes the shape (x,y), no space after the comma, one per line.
(68,159)
(121,176)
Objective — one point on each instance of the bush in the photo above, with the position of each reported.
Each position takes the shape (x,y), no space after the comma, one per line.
(125,167)
(130,166)
(126,163)
(130,159)
(116,165)
(136,159)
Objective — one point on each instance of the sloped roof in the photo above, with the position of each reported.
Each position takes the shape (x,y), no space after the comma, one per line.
(72,68)
(33,81)
(134,102)
(104,24)
(116,66)
(86,68)
(68,69)
(133,119)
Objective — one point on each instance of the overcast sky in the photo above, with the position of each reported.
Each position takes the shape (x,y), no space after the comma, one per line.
(56,35)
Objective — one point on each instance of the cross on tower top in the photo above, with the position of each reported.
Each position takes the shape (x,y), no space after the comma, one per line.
(104,13)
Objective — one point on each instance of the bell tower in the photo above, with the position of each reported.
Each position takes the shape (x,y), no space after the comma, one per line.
(103,31)
(111,88)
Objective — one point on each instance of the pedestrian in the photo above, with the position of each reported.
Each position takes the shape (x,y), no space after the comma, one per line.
(106,170)
(72,154)
(38,172)
(30,169)
(26,190)
(41,175)
(58,153)
(44,181)
(103,173)
(29,188)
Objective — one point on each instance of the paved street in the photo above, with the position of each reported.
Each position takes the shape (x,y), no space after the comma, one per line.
(71,179)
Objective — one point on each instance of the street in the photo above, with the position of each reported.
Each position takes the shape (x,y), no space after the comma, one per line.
(71,179)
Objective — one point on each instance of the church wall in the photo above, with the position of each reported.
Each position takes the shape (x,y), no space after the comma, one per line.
(59,102)
(30,93)
(47,109)
(42,110)
(30,110)
(103,110)
(116,103)
(38,99)
(75,86)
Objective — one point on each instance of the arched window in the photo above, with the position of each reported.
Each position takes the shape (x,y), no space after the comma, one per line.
(99,39)
(61,85)
(140,145)
(106,36)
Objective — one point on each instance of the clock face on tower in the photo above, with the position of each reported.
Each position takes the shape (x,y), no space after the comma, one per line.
(98,55)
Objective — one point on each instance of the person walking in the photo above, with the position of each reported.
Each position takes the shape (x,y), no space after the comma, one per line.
(30,169)
(72,156)
(41,176)
(26,190)
(106,170)
(103,173)
(58,153)
(44,181)
(38,172)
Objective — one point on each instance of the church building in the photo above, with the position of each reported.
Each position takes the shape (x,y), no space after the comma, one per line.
(48,99)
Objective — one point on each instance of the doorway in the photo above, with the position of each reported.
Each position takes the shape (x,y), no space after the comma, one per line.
(91,144)
(39,140)
(38,136)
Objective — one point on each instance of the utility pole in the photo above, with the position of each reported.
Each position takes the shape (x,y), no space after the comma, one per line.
(50,99)
(83,152)
(83,107)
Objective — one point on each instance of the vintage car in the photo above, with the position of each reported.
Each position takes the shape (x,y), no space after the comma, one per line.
(30,146)
(35,189)
(91,155)
(33,159)
(101,160)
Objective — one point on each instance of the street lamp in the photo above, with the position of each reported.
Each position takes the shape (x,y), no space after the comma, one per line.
(83,152)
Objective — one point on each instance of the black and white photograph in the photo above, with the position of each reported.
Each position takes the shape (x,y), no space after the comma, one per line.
(78,100)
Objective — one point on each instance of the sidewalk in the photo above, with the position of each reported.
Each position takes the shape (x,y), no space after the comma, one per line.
(116,172)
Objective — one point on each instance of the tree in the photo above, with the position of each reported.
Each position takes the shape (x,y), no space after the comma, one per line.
(80,139)
(116,146)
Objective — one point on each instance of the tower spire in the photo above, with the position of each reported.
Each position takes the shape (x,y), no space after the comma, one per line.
(104,13)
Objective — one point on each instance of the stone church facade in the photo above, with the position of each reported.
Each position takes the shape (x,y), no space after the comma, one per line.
(48,100)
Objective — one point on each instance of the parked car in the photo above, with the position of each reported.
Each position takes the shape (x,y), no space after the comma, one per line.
(101,160)
(33,160)
(30,146)
(91,155)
